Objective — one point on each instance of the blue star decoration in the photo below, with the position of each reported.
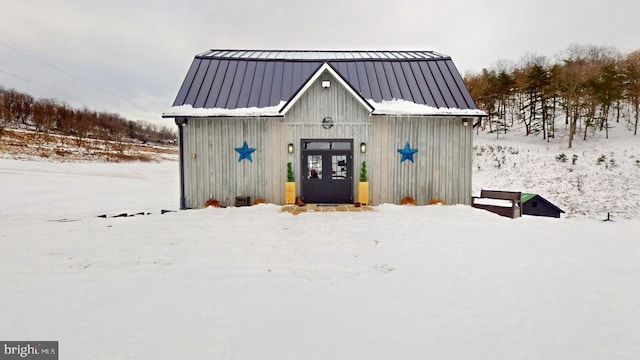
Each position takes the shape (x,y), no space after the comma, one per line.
(407,152)
(245,152)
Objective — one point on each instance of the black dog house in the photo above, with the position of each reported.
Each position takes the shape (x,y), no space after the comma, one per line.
(534,204)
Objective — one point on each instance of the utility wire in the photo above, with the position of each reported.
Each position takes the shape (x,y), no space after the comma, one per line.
(37,84)
(66,73)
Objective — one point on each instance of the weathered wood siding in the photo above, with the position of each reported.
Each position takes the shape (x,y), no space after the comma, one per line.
(442,167)
(211,164)
(304,121)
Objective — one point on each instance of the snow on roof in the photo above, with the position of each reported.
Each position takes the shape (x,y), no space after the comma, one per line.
(244,79)
(393,107)
(190,111)
(404,107)
(493,202)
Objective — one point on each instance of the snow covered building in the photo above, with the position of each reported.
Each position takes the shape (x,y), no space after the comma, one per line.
(243,115)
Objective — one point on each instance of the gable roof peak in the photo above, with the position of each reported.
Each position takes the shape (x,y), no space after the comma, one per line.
(326,67)
(244,79)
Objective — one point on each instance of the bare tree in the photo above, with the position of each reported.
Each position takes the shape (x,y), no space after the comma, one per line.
(44,115)
(48,115)
(631,81)
(586,83)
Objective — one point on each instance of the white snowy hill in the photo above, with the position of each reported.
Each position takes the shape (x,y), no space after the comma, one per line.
(398,282)
(604,175)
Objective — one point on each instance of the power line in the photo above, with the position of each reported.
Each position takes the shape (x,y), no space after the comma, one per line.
(68,74)
(61,70)
(42,86)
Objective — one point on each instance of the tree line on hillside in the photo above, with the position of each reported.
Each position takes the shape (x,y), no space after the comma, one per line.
(19,109)
(586,88)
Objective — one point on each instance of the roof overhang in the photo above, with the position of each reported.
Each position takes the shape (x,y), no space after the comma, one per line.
(190,111)
(408,108)
(328,68)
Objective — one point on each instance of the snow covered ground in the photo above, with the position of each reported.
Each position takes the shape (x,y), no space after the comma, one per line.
(605,175)
(399,282)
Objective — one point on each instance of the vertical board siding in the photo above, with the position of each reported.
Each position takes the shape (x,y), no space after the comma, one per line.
(442,167)
(211,163)
(215,171)
(304,121)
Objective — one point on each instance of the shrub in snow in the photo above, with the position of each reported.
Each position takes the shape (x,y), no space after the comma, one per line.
(212,202)
(434,201)
(562,157)
(407,200)
(259,201)
(479,150)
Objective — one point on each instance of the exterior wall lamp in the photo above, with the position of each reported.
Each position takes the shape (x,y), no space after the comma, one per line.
(290,148)
(465,122)
(363,148)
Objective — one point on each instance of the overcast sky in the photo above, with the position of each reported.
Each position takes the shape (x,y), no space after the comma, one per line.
(130,57)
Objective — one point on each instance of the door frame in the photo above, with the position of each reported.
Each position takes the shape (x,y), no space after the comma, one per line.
(343,187)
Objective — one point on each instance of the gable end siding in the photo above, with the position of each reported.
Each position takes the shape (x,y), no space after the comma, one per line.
(304,121)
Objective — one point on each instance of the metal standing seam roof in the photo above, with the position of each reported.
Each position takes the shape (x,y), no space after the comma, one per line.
(233,79)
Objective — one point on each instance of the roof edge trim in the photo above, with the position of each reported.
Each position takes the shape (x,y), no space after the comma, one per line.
(322,55)
(190,111)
